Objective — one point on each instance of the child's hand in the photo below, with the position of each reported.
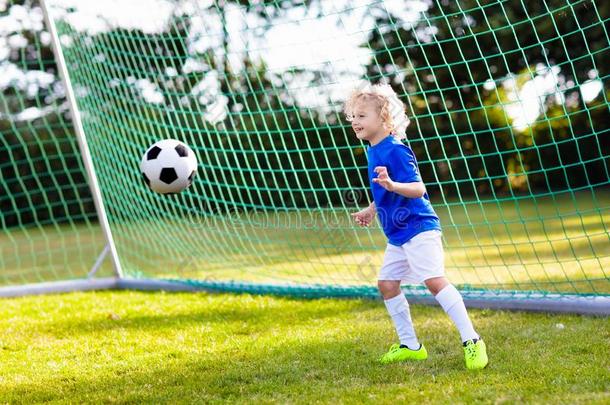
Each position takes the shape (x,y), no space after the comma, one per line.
(365,216)
(383,179)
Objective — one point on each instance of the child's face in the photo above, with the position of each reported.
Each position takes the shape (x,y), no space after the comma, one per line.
(366,122)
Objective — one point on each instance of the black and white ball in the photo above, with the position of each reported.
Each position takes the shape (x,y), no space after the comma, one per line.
(168,166)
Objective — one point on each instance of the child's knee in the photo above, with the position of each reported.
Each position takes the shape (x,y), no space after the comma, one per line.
(436,284)
(388,288)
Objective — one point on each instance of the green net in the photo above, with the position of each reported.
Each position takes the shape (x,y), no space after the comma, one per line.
(510,122)
(48,226)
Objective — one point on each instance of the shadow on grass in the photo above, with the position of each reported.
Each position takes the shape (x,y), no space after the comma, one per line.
(230,315)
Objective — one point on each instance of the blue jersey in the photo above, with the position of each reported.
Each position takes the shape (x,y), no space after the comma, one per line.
(401,218)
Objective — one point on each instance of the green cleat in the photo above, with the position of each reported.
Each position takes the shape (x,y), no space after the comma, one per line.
(475,354)
(398,353)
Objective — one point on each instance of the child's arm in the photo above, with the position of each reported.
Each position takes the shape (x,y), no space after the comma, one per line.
(410,190)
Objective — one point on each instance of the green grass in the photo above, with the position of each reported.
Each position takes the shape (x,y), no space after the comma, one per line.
(198,348)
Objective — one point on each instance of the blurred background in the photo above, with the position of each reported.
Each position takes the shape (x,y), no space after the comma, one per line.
(510,123)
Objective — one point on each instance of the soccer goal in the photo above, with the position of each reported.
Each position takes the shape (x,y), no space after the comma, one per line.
(509,119)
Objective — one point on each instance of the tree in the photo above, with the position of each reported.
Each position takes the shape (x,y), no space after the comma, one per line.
(448,57)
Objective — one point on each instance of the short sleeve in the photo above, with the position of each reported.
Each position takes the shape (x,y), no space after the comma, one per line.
(403,165)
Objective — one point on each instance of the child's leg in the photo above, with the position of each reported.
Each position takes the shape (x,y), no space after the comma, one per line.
(425,256)
(398,308)
(453,304)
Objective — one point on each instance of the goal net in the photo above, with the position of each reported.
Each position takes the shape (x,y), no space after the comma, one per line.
(508,103)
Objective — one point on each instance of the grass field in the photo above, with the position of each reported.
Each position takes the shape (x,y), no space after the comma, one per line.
(133,347)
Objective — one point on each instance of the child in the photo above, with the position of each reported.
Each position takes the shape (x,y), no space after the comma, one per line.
(414,252)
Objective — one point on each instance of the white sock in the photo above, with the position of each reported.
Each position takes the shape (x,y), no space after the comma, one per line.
(453,304)
(398,308)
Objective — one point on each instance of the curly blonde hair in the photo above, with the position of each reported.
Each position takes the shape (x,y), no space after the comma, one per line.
(388,105)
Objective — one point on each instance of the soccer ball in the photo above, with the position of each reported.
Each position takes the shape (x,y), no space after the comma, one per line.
(168,166)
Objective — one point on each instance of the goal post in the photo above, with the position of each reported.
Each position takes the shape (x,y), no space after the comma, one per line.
(109,248)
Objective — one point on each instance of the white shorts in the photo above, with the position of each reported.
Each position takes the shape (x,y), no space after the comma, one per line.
(417,260)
